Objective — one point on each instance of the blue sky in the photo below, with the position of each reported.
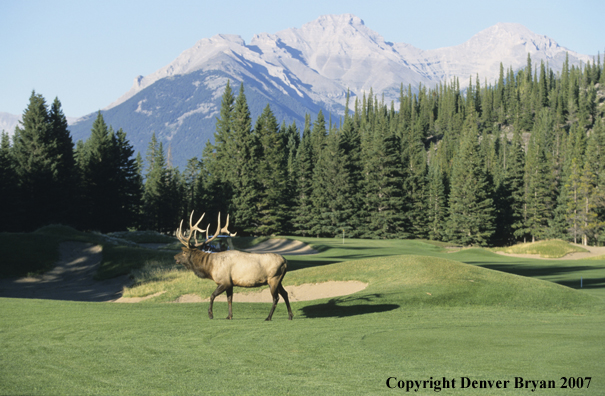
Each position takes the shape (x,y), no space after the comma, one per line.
(88,52)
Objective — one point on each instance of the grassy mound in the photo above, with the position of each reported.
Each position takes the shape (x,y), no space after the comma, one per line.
(20,259)
(143,236)
(553,248)
(432,281)
(121,254)
(406,280)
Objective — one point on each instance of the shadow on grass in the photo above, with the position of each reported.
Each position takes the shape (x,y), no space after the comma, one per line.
(341,307)
(545,271)
(294,264)
(584,283)
(300,262)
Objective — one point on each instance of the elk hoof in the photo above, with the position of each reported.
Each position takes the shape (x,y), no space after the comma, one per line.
(228,317)
(268,319)
(210,315)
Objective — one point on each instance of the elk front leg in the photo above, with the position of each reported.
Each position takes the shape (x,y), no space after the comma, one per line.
(219,290)
(230,301)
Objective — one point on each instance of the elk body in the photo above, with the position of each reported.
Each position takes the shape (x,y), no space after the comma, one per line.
(232,268)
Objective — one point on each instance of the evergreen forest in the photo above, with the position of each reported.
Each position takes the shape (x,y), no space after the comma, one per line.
(520,159)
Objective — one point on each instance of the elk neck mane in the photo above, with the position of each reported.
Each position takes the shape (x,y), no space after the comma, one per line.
(200,263)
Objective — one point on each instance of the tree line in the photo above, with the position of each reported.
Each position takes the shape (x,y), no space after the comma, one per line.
(518,160)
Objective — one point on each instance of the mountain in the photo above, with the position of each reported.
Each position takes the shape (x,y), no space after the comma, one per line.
(302,70)
(8,122)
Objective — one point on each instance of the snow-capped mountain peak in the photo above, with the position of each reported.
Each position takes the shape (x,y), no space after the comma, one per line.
(302,70)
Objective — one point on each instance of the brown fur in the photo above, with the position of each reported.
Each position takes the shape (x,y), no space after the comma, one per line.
(235,268)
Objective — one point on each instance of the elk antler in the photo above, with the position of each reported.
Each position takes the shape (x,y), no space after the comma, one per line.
(220,230)
(193,229)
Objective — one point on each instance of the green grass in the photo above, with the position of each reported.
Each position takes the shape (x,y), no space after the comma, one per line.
(553,248)
(122,260)
(602,257)
(426,313)
(173,349)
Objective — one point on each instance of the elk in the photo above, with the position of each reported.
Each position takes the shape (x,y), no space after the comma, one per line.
(231,268)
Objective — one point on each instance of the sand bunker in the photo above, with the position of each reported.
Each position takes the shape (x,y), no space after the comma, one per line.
(285,247)
(305,292)
(72,279)
(593,251)
(138,299)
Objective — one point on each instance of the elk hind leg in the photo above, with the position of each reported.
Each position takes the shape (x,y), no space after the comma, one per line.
(284,295)
(230,301)
(275,296)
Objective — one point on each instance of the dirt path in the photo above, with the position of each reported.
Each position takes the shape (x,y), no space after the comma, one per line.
(593,251)
(72,279)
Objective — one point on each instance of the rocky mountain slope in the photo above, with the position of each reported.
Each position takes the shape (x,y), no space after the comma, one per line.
(302,70)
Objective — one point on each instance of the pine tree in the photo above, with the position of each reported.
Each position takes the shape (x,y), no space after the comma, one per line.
(543,86)
(191,180)
(384,202)
(43,153)
(352,195)
(538,199)
(499,97)
(155,184)
(330,187)
(245,163)
(111,185)
(574,203)
(414,179)
(128,183)
(61,195)
(598,142)
(317,142)
(215,193)
(291,144)
(33,163)
(303,212)
(591,197)
(218,159)
(514,183)
(8,187)
(98,196)
(223,137)
(436,199)
(558,225)
(163,193)
(271,175)
(318,136)
(471,212)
